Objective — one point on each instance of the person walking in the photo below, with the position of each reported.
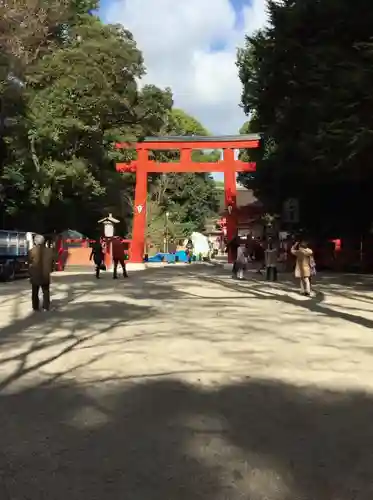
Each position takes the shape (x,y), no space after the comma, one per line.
(303,255)
(271,256)
(240,262)
(189,250)
(97,255)
(118,257)
(40,262)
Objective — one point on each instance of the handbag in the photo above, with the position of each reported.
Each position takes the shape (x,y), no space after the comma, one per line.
(102,267)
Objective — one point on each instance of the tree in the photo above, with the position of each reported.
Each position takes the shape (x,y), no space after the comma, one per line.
(249,155)
(79,100)
(180,123)
(28,30)
(307,83)
(190,199)
(68,92)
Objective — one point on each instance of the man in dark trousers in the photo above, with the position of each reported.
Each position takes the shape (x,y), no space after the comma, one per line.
(118,257)
(40,261)
(98,257)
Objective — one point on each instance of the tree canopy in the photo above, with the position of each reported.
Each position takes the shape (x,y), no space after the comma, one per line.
(69,90)
(307,81)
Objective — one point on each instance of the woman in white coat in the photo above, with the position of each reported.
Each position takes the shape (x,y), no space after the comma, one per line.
(241,262)
(303,266)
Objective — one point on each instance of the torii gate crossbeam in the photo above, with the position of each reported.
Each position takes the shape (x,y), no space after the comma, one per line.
(229,165)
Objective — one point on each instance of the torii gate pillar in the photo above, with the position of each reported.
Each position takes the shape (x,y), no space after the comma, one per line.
(139,214)
(229,165)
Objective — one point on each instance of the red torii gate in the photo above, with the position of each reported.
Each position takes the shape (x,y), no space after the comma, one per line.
(229,165)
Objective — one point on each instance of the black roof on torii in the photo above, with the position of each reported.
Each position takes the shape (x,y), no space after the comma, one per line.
(201,138)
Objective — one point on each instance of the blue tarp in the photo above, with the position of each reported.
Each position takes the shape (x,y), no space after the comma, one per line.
(169,257)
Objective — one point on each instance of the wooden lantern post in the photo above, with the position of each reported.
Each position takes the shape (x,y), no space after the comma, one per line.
(109,229)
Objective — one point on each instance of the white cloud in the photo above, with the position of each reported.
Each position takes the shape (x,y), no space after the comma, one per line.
(177,37)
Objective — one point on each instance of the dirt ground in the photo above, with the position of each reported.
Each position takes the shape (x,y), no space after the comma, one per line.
(182,384)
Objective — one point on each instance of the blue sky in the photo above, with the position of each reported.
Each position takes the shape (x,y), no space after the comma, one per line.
(238,6)
(190,46)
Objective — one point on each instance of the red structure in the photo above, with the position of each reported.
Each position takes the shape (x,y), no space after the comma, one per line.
(228,165)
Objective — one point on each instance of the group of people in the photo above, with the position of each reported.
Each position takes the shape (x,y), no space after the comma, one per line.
(267,259)
(41,262)
(117,252)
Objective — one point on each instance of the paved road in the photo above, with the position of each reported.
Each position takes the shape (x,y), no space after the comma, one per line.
(182,384)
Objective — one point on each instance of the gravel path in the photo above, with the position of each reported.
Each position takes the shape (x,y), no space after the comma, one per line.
(180,383)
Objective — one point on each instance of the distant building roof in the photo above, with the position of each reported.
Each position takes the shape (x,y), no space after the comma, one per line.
(244,198)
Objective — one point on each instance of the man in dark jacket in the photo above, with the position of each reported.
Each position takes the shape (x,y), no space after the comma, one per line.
(118,257)
(97,255)
(40,261)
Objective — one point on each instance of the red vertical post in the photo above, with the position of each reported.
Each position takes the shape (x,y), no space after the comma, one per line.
(185,157)
(59,250)
(139,217)
(230,188)
(107,253)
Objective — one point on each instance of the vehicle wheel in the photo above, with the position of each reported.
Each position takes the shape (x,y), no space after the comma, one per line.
(12,272)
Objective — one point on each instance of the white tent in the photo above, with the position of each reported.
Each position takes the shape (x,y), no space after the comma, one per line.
(200,244)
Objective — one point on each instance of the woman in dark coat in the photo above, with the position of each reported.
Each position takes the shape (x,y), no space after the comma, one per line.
(97,255)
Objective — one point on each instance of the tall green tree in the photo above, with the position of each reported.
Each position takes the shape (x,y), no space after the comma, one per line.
(79,99)
(180,123)
(307,82)
(68,92)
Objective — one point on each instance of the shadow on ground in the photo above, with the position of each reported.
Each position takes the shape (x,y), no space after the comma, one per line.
(84,316)
(159,440)
(73,290)
(261,290)
(165,439)
(85,313)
